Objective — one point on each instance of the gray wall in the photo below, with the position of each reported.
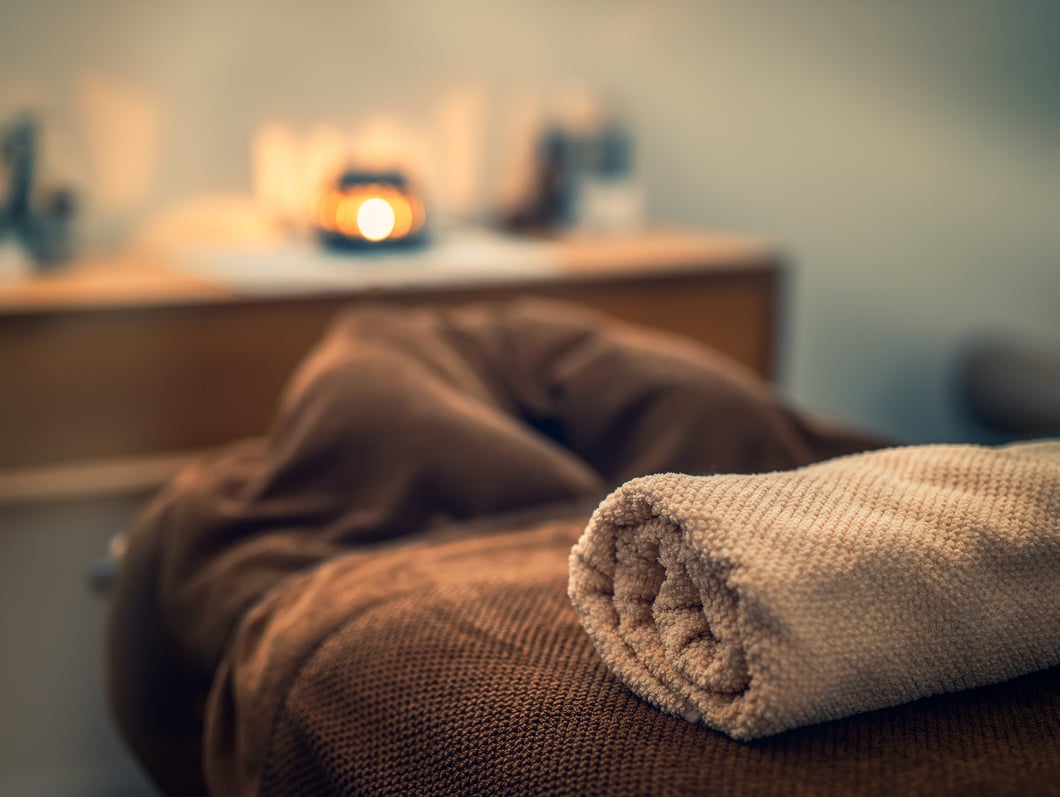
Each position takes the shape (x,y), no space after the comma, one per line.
(904,153)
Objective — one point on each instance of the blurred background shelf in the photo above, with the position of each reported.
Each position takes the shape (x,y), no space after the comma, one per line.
(154,354)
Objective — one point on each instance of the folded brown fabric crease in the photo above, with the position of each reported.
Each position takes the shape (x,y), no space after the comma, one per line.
(759,603)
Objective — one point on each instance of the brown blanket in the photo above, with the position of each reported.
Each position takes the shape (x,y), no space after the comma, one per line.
(366,626)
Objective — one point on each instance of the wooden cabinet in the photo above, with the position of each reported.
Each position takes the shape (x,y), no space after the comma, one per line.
(98,366)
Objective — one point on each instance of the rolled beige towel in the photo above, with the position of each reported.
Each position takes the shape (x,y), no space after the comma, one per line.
(756,604)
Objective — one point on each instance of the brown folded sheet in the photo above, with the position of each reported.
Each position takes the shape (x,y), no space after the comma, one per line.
(459,667)
(403,422)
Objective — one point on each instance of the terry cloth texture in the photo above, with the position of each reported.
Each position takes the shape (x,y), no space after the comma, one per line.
(763,603)
(401,422)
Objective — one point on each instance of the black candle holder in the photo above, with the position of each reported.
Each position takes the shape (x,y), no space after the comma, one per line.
(364,210)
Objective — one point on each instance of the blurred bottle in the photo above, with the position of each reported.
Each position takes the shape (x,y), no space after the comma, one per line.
(607,195)
(584,180)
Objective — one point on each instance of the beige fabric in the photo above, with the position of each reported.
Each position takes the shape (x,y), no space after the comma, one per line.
(761,603)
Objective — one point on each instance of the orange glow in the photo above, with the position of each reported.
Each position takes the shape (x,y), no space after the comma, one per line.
(346,215)
(402,215)
(373,212)
(327,211)
(418,213)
